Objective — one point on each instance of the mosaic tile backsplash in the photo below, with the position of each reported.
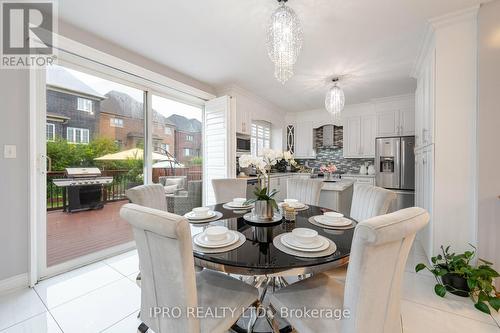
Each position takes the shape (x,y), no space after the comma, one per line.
(335,156)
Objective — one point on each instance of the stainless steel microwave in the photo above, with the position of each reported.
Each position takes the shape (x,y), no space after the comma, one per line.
(243,144)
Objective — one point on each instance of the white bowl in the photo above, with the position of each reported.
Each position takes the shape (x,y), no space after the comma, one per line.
(305,235)
(291,201)
(216,233)
(333,215)
(201,211)
(239,201)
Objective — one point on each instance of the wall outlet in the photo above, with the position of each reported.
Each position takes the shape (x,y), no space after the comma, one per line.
(9,151)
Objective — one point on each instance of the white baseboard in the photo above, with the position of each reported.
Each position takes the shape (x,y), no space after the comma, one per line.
(13,283)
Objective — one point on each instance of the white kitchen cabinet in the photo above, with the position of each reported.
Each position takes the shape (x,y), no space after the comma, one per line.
(424,103)
(304,143)
(361,180)
(359,136)
(395,122)
(243,117)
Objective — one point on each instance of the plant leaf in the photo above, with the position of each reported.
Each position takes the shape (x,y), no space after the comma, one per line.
(471,283)
(486,261)
(481,306)
(419,267)
(440,290)
(495,303)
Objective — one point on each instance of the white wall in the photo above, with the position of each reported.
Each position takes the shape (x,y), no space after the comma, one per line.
(14,173)
(488,133)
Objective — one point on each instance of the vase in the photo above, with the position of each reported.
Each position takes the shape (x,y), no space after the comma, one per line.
(263,209)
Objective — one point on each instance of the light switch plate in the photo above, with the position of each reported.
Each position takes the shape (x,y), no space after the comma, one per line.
(9,151)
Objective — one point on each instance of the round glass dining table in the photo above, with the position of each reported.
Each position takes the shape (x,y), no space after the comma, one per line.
(259,256)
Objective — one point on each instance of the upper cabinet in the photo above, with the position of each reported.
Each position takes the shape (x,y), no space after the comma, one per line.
(304,142)
(395,116)
(424,102)
(243,117)
(359,136)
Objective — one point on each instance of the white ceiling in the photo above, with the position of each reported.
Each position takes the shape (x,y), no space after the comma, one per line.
(222,42)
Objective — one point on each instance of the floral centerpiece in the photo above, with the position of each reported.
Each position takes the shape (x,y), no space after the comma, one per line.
(328,170)
(264,196)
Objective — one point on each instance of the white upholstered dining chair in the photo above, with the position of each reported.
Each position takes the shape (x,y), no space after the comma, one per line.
(305,190)
(372,290)
(369,201)
(229,188)
(152,196)
(169,280)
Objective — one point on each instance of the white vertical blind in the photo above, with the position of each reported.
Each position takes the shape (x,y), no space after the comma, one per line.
(261,136)
(218,161)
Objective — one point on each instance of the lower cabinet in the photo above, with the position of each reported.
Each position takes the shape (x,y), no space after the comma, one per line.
(361,180)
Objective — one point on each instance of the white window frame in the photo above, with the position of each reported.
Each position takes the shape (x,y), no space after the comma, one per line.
(84,104)
(167,129)
(116,122)
(75,130)
(164,147)
(53,126)
(189,137)
(261,130)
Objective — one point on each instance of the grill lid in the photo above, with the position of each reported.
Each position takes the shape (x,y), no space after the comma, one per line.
(82,172)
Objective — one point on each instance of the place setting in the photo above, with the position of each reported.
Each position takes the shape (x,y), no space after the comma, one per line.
(304,242)
(216,239)
(332,220)
(238,205)
(202,215)
(295,204)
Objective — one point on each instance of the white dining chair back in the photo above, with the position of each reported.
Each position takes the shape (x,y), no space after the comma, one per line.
(167,266)
(152,196)
(369,201)
(305,190)
(227,189)
(376,267)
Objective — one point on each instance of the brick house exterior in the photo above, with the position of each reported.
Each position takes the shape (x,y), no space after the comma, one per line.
(63,94)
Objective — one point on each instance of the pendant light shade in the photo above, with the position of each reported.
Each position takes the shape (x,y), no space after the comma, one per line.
(335,100)
(284,41)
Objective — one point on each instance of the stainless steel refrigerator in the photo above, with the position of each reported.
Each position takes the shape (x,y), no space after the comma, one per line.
(395,168)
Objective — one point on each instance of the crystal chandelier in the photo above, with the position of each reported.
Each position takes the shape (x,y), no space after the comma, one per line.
(335,99)
(284,41)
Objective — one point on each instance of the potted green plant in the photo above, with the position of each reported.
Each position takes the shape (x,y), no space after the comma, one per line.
(455,274)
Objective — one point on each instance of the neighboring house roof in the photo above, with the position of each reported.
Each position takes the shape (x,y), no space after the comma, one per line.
(124,105)
(58,77)
(184,124)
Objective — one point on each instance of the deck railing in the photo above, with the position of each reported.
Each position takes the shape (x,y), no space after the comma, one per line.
(122,180)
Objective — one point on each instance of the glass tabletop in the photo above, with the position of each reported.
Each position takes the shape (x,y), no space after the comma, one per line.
(258,255)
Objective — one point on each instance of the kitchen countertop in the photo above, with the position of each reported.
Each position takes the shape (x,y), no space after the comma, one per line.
(338,186)
(358,175)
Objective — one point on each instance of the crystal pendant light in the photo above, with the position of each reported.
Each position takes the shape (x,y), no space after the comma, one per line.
(335,99)
(284,41)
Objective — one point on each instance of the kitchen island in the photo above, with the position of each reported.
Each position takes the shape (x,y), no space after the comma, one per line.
(334,195)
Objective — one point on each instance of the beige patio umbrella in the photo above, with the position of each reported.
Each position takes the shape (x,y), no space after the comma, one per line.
(133,154)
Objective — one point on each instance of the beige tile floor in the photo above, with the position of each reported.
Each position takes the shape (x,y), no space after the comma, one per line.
(103,297)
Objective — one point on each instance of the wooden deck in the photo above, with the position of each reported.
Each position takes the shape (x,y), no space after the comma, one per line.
(71,235)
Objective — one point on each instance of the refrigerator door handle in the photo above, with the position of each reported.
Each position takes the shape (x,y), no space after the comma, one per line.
(403,164)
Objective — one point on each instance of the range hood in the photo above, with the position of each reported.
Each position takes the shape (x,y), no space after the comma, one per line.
(332,137)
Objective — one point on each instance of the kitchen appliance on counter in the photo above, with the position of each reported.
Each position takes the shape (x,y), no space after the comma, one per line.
(395,168)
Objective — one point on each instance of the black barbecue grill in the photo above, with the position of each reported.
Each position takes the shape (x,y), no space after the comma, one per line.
(82,189)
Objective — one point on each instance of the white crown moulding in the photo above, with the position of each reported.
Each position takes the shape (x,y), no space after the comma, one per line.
(433,24)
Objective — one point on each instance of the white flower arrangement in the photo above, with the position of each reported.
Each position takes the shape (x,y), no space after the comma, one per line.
(265,162)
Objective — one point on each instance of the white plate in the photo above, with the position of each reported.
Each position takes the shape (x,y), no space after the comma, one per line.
(290,239)
(191,216)
(234,205)
(342,222)
(285,239)
(201,240)
(296,205)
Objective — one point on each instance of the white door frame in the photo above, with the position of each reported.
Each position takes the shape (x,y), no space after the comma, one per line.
(81,57)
